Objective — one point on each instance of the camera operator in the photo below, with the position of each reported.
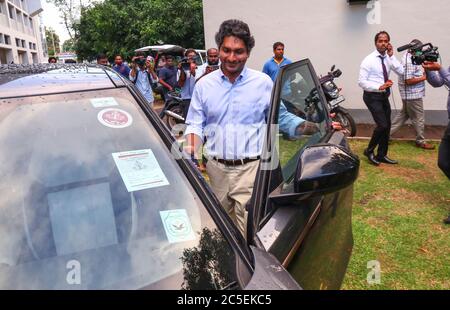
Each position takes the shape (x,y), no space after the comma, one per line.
(412,90)
(188,72)
(438,76)
(143,75)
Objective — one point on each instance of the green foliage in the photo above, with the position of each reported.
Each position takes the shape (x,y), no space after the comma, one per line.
(117,27)
(68,45)
(397,220)
(52,42)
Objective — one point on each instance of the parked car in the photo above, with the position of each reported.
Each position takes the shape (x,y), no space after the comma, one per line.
(96,195)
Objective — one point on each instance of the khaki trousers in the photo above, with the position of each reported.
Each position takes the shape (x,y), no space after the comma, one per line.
(412,109)
(233,186)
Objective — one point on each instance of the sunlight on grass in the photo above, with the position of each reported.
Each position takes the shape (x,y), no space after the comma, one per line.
(397,220)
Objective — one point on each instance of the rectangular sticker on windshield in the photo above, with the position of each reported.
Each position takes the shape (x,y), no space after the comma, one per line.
(139,170)
(103,102)
(177,225)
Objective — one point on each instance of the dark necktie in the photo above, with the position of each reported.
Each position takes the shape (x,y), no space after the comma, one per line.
(385,75)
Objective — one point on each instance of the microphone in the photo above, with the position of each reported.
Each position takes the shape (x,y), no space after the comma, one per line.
(405,47)
(413,43)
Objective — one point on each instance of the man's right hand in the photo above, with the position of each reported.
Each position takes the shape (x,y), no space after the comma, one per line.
(386,85)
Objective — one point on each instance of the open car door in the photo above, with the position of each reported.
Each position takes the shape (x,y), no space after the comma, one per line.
(301,206)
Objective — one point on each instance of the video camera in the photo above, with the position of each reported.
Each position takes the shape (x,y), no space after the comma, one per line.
(421,52)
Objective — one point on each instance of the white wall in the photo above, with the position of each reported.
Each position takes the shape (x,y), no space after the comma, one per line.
(334,32)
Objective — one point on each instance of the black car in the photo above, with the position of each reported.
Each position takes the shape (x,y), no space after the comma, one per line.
(95,193)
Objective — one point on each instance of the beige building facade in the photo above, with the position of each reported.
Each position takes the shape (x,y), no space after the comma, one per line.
(20,32)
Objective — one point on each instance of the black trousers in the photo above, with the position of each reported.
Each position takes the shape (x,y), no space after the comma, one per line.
(444,152)
(380,108)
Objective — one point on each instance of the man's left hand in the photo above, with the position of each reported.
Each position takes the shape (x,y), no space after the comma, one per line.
(432,66)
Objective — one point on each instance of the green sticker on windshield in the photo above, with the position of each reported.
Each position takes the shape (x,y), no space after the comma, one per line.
(177,225)
(103,102)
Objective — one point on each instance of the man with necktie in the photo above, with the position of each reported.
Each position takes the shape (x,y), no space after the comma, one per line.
(374,80)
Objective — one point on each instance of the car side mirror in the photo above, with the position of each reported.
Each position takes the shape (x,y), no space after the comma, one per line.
(325,168)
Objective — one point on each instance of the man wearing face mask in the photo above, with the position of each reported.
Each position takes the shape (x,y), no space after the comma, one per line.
(142,75)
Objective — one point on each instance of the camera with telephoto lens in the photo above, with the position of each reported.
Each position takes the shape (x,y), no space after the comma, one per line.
(421,52)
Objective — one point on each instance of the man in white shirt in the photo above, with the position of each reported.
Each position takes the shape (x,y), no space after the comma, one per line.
(374,80)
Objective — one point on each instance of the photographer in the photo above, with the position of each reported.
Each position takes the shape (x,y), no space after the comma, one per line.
(412,90)
(188,72)
(438,76)
(143,75)
(212,62)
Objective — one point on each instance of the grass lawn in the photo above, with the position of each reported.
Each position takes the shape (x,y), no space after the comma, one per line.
(397,220)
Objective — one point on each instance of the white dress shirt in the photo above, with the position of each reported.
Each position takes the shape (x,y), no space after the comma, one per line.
(371,71)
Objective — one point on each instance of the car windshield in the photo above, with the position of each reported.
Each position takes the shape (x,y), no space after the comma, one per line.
(91,198)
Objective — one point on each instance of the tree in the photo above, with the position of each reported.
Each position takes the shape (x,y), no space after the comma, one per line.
(52,42)
(70,12)
(112,27)
(68,45)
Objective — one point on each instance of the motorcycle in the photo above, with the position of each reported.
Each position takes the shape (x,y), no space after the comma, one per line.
(334,98)
(174,111)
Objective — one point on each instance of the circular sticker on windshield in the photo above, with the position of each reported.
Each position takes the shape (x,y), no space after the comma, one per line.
(115,118)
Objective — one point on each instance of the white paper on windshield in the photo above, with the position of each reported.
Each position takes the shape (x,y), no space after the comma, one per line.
(139,170)
(103,102)
(177,225)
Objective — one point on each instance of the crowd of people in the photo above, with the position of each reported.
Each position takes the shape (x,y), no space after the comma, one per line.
(218,96)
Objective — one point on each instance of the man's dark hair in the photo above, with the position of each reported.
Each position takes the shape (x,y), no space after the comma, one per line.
(101,56)
(211,49)
(276,44)
(52,58)
(380,33)
(188,51)
(169,57)
(235,28)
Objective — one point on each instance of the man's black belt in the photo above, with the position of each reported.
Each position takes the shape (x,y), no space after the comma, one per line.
(376,93)
(236,162)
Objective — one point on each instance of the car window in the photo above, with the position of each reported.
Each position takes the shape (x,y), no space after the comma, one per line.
(302,118)
(91,198)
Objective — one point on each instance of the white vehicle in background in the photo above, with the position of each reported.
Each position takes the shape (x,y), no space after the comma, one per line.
(170,49)
(66,57)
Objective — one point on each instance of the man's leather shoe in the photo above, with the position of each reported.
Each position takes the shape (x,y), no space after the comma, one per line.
(371,158)
(425,146)
(387,160)
(447,220)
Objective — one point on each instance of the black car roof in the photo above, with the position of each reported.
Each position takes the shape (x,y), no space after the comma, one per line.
(40,79)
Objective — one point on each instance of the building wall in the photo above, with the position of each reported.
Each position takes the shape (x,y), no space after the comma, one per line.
(333,32)
(20,39)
